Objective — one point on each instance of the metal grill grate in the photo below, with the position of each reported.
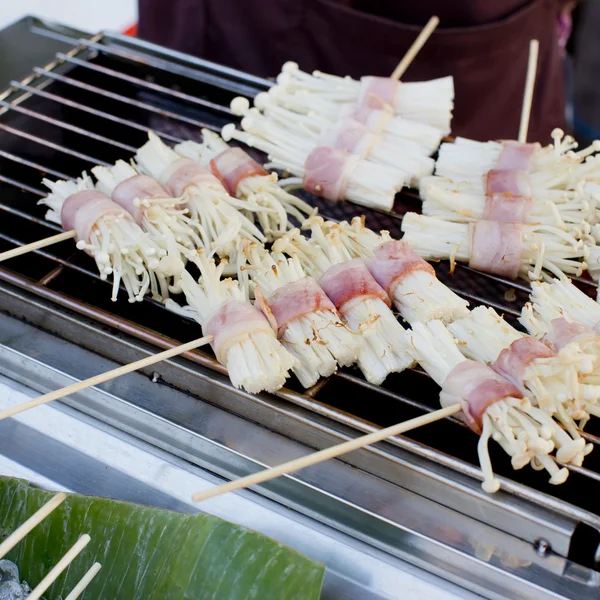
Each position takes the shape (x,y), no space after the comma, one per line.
(94,105)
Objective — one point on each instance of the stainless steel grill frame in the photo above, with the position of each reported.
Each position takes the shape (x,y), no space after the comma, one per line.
(93,105)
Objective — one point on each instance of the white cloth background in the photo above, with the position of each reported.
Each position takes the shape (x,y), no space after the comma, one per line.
(86,15)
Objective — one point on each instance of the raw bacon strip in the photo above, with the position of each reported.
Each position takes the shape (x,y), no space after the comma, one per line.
(294,300)
(508,192)
(508,208)
(512,182)
(377,92)
(183,173)
(233,323)
(234,165)
(496,247)
(477,387)
(351,280)
(515,155)
(512,361)
(137,187)
(562,332)
(351,136)
(393,261)
(326,172)
(82,210)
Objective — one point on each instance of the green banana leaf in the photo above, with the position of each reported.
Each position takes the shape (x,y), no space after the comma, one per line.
(152,554)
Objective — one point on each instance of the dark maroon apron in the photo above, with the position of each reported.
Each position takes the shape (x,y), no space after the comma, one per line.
(488,58)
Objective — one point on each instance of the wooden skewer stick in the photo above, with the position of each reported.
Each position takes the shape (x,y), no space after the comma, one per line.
(326,454)
(53,239)
(103,377)
(60,566)
(84,582)
(534,47)
(415,48)
(18,534)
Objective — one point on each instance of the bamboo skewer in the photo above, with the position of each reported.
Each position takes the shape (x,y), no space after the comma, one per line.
(326,454)
(103,377)
(18,534)
(53,239)
(534,47)
(60,566)
(84,582)
(415,48)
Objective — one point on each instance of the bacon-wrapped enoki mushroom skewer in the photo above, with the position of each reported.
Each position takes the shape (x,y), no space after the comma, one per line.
(550,380)
(492,406)
(275,123)
(247,180)
(331,173)
(109,234)
(563,335)
(543,320)
(513,201)
(512,181)
(563,317)
(360,300)
(155,211)
(552,167)
(410,281)
(207,201)
(429,102)
(502,248)
(305,319)
(244,341)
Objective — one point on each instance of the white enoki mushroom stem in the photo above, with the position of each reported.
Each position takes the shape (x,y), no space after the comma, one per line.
(368,184)
(223,223)
(264,191)
(444,199)
(593,259)
(385,346)
(319,340)
(520,429)
(551,383)
(218,215)
(384,349)
(259,190)
(591,192)
(257,361)
(419,296)
(117,244)
(562,298)
(544,247)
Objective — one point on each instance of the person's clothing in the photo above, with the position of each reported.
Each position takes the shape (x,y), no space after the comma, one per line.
(484,44)
(586,61)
